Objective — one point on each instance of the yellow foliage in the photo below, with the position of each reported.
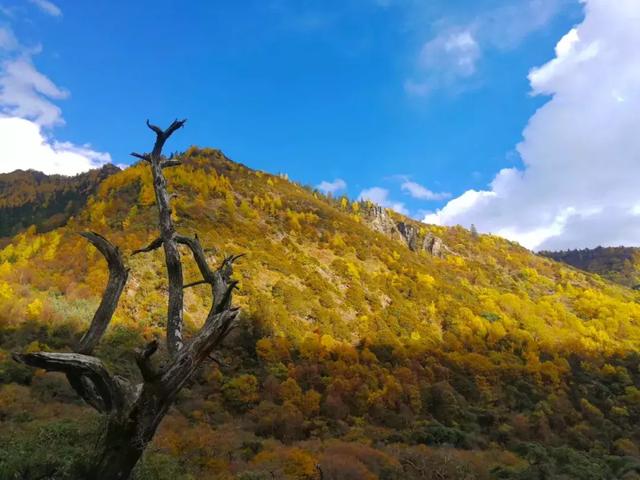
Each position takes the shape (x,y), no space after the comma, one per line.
(287,463)
(328,342)
(426,279)
(34,309)
(6,292)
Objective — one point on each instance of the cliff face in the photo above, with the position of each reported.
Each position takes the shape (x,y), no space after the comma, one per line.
(47,201)
(379,220)
(435,246)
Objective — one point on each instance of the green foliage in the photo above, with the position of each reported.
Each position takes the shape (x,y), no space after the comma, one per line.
(33,198)
(55,449)
(159,466)
(617,264)
(241,392)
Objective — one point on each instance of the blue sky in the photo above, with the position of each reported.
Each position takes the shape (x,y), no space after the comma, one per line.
(407,100)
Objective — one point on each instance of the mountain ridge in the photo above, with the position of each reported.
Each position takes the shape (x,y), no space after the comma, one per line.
(360,350)
(29,197)
(617,264)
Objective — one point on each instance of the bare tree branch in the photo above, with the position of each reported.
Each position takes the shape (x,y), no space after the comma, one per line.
(141,156)
(213,332)
(220,320)
(198,255)
(218,361)
(170,163)
(78,365)
(167,234)
(87,391)
(156,129)
(117,279)
(222,285)
(163,136)
(143,357)
(86,374)
(195,284)
(154,245)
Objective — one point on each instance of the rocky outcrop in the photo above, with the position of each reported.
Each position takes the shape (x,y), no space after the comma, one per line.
(409,234)
(431,244)
(434,245)
(380,221)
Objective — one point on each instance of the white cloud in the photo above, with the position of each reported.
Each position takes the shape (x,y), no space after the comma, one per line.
(48,7)
(581,150)
(24,146)
(453,54)
(380,196)
(332,187)
(24,91)
(27,93)
(421,192)
(27,109)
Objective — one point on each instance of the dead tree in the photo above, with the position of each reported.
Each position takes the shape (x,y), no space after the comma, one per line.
(134,410)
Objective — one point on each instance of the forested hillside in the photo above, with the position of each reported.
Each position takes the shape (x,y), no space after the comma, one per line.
(618,264)
(46,201)
(371,346)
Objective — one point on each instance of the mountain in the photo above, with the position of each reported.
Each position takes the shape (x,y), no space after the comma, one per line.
(617,264)
(371,344)
(47,201)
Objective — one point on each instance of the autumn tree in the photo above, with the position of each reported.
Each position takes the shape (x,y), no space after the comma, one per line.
(134,410)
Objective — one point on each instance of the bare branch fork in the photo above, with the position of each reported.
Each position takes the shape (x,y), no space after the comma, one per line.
(134,410)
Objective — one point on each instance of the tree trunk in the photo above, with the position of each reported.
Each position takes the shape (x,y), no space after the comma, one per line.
(118,457)
(125,439)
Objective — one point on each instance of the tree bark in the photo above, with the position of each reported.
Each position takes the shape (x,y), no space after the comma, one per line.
(127,435)
(120,452)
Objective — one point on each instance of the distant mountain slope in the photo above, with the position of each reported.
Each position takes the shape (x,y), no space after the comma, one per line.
(617,264)
(373,345)
(47,201)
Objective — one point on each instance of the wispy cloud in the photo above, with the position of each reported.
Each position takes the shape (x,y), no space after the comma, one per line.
(8,41)
(27,93)
(454,52)
(48,7)
(449,56)
(421,192)
(24,91)
(332,187)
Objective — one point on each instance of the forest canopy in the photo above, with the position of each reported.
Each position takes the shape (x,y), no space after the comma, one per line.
(356,353)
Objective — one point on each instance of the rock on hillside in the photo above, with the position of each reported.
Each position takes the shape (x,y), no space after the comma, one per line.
(379,219)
